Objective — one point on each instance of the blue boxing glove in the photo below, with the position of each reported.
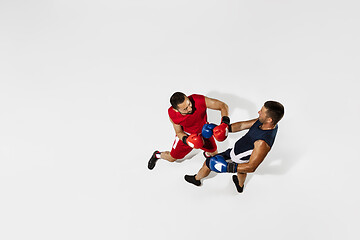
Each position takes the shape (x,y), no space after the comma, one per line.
(218,164)
(207,130)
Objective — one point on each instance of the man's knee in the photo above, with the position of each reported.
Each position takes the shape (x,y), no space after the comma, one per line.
(205,165)
(168,157)
(171,159)
(211,154)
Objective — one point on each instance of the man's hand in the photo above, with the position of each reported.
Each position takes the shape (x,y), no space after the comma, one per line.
(207,130)
(219,165)
(221,131)
(194,141)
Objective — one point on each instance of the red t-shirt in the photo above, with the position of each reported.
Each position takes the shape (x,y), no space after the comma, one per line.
(191,123)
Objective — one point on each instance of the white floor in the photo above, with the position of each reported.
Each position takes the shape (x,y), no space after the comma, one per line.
(84,92)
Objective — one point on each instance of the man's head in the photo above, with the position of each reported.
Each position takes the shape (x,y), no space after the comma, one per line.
(272,112)
(181,103)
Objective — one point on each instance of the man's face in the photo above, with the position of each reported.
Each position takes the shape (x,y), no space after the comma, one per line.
(263,116)
(185,107)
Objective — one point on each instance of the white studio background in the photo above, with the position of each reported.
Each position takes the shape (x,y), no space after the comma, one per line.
(84,92)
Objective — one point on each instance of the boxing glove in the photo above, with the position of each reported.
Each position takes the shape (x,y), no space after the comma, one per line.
(221,132)
(195,141)
(218,164)
(207,130)
(225,119)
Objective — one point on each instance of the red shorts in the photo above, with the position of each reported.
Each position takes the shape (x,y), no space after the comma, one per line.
(179,149)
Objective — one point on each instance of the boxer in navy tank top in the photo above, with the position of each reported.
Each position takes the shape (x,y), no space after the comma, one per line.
(249,151)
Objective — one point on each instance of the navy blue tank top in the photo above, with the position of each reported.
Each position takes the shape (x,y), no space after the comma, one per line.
(244,146)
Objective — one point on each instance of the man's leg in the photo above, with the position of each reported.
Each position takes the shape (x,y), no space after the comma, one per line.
(195,179)
(241,177)
(157,155)
(204,170)
(210,150)
(166,155)
(209,154)
(178,151)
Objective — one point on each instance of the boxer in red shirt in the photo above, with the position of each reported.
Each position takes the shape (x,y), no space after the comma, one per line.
(188,116)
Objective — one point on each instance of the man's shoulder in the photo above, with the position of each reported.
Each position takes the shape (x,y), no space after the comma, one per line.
(171,111)
(198,99)
(196,96)
(262,145)
(173,115)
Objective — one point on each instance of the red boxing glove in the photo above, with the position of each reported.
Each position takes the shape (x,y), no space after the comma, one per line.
(221,132)
(195,141)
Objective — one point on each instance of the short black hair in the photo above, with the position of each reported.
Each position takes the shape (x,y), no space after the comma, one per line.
(275,111)
(176,99)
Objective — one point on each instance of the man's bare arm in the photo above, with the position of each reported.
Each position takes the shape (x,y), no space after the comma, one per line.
(215,104)
(261,149)
(178,130)
(239,126)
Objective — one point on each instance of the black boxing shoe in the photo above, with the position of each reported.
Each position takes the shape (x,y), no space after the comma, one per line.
(191,179)
(153,160)
(236,181)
